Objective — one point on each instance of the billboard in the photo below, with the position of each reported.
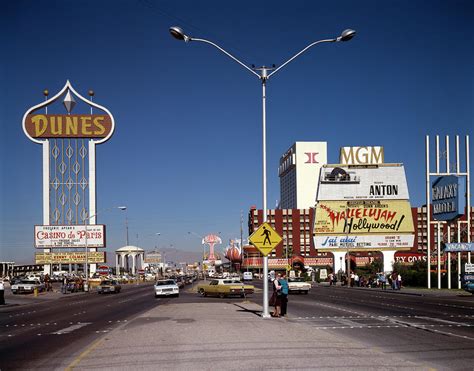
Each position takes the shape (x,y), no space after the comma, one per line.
(364,224)
(364,242)
(69,257)
(363,217)
(357,183)
(59,236)
(447,198)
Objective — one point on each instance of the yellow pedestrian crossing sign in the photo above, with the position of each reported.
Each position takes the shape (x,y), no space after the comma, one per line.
(265,238)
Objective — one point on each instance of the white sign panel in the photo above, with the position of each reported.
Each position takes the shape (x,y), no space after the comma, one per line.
(56,236)
(375,183)
(469,268)
(363,241)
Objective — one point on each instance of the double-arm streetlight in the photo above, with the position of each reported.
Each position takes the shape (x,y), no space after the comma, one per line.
(86,220)
(264,73)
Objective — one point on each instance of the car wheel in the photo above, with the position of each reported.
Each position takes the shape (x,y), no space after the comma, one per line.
(156,296)
(222,296)
(306,292)
(202,292)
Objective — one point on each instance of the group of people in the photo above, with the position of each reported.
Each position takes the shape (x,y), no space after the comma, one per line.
(380,280)
(279,298)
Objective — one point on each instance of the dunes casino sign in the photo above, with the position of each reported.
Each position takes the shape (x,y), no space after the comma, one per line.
(39,126)
(68,126)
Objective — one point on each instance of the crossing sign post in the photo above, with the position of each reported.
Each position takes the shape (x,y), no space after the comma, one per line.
(265,239)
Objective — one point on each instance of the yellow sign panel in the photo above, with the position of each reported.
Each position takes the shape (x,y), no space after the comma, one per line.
(265,238)
(363,217)
(69,257)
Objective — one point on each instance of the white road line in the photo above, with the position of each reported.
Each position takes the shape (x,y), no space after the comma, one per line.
(72,328)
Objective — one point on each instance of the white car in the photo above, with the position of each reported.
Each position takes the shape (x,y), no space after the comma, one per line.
(27,286)
(166,288)
(298,284)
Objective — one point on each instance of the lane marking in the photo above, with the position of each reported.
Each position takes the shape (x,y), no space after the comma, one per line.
(70,329)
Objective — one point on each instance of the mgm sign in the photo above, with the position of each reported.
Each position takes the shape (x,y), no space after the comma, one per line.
(68,126)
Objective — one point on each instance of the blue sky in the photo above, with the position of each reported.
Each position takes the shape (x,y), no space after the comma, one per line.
(186,153)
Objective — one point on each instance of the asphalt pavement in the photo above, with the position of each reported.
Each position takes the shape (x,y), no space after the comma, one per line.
(135,330)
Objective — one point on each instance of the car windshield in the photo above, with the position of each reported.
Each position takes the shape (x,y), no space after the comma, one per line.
(164,283)
(296,279)
(106,283)
(233,282)
(29,282)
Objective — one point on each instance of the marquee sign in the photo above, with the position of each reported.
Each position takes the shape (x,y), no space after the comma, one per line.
(69,257)
(353,183)
(447,198)
(363,217)
(364,242)
(55,236)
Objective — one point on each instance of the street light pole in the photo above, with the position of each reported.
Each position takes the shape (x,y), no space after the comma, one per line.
(346,35)
(86,264)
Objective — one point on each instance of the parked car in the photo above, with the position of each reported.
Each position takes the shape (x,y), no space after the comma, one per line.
(166,288)
(27,286)
(109,286)
(225,287)
(298,284)
(469,287)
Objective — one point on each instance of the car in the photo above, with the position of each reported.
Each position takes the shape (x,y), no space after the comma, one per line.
(469,287)
(223,287)
(166,288)
(27,286)
(298,284)
(109,286)
(247,276)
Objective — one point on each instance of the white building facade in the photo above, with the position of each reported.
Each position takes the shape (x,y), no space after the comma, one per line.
(299,172)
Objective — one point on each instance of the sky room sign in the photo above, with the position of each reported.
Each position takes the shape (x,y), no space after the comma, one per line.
(447,198)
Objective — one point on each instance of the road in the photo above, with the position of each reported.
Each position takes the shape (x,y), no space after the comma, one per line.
(432,330)
(437,330)
(45,334)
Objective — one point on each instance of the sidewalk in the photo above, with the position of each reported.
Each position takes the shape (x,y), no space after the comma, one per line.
(418,291)
(12,300)
(227,336)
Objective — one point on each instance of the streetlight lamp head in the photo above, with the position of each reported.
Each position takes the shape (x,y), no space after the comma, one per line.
(122,207)
(178,33)
(346,35)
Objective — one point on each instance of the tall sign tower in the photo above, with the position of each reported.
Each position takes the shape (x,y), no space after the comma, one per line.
(69,126)
(447,198)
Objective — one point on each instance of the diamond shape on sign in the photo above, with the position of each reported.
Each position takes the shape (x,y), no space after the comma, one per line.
(265,238)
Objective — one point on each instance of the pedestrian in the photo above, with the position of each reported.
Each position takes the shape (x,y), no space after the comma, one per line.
(47,282)
(399,281)
(383,281)
(2,292)
(352,279)
(284,294)
(276,297)
(356,280)
(64,285)
(394,278)
(331,279)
